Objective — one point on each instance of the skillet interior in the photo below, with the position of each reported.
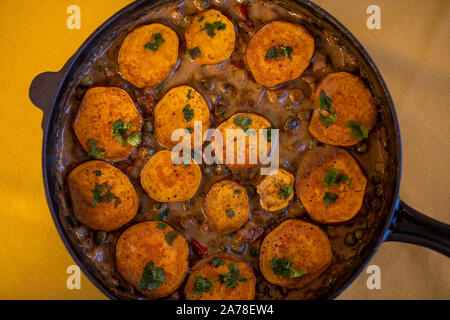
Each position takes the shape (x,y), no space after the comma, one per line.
(57,164)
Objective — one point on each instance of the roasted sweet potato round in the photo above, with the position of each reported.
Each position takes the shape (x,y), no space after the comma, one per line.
(247,126)
(211,35)
(153,257)
(178,109)
(102,196)
(276,190)
(166,181)
(94,123)
(294,254)
(279,52)
(330,185)
(148,55)
(352,104)
(204,282)
(226,206)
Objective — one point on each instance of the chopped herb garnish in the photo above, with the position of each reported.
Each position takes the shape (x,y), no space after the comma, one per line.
(152,277)
(282,267)
(269,133)
(217,25)
(286,191)
(94,152)
(161,226)
(243,121)
(325,104)
(201,194)
(162,216)
(237,191)
(217,262)
(357,129)
(98,173)
(201,18)
(202,285)
(188,113)
(286,51)
(102,193)
(189,94)
(120,133)
(254,252)
(329,198)
(230,213)
(190,130)
(334,177)
(193,53)
(280,53)
(232,278)
(157,41)
(171,236)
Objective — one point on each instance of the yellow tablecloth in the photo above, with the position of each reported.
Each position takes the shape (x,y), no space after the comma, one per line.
(411,51)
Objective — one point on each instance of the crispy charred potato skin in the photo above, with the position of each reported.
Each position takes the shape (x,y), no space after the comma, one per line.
(144,243)
(169,114)
(272,72)
(104,216)
(99,109)
(304,243)
(245,290)
(352,100)
(222,196)
(269,190)
(165,181)
(143,67)
(258,122)
(311,190)
(214,49)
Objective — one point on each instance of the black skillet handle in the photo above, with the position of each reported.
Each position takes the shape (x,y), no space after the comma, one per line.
(413,227)
(43,90)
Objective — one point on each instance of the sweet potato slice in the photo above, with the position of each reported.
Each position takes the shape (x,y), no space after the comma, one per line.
(102,196)
(351,101)
(100,108)
(303,245)
(226,206)
(209,285)
(276,190)
(157,244)
(330,184)
(166,181)
(243,122)
(178,109)
(212,36)
(279,52)
(148,55)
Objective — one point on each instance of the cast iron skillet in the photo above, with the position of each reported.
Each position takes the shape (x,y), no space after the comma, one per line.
(50,90)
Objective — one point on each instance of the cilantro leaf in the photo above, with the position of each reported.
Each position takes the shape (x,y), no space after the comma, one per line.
(171,236)
(286,191)
(230,213)
(210,28)
(98,173)
(357,129)
(237,191)
(254,252)
(243,121)
(329,198)
(188,113)
(162,216)
(202,285)
(102,193)
(152,277)
(271,53)
(94,152)
(134,139)
(120,134)
(286,51)
(330,177)
(269,133)
(232,278)
(193,53)
(217,262)
(161,226)
(325,104)
(157,42)
(283,268)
